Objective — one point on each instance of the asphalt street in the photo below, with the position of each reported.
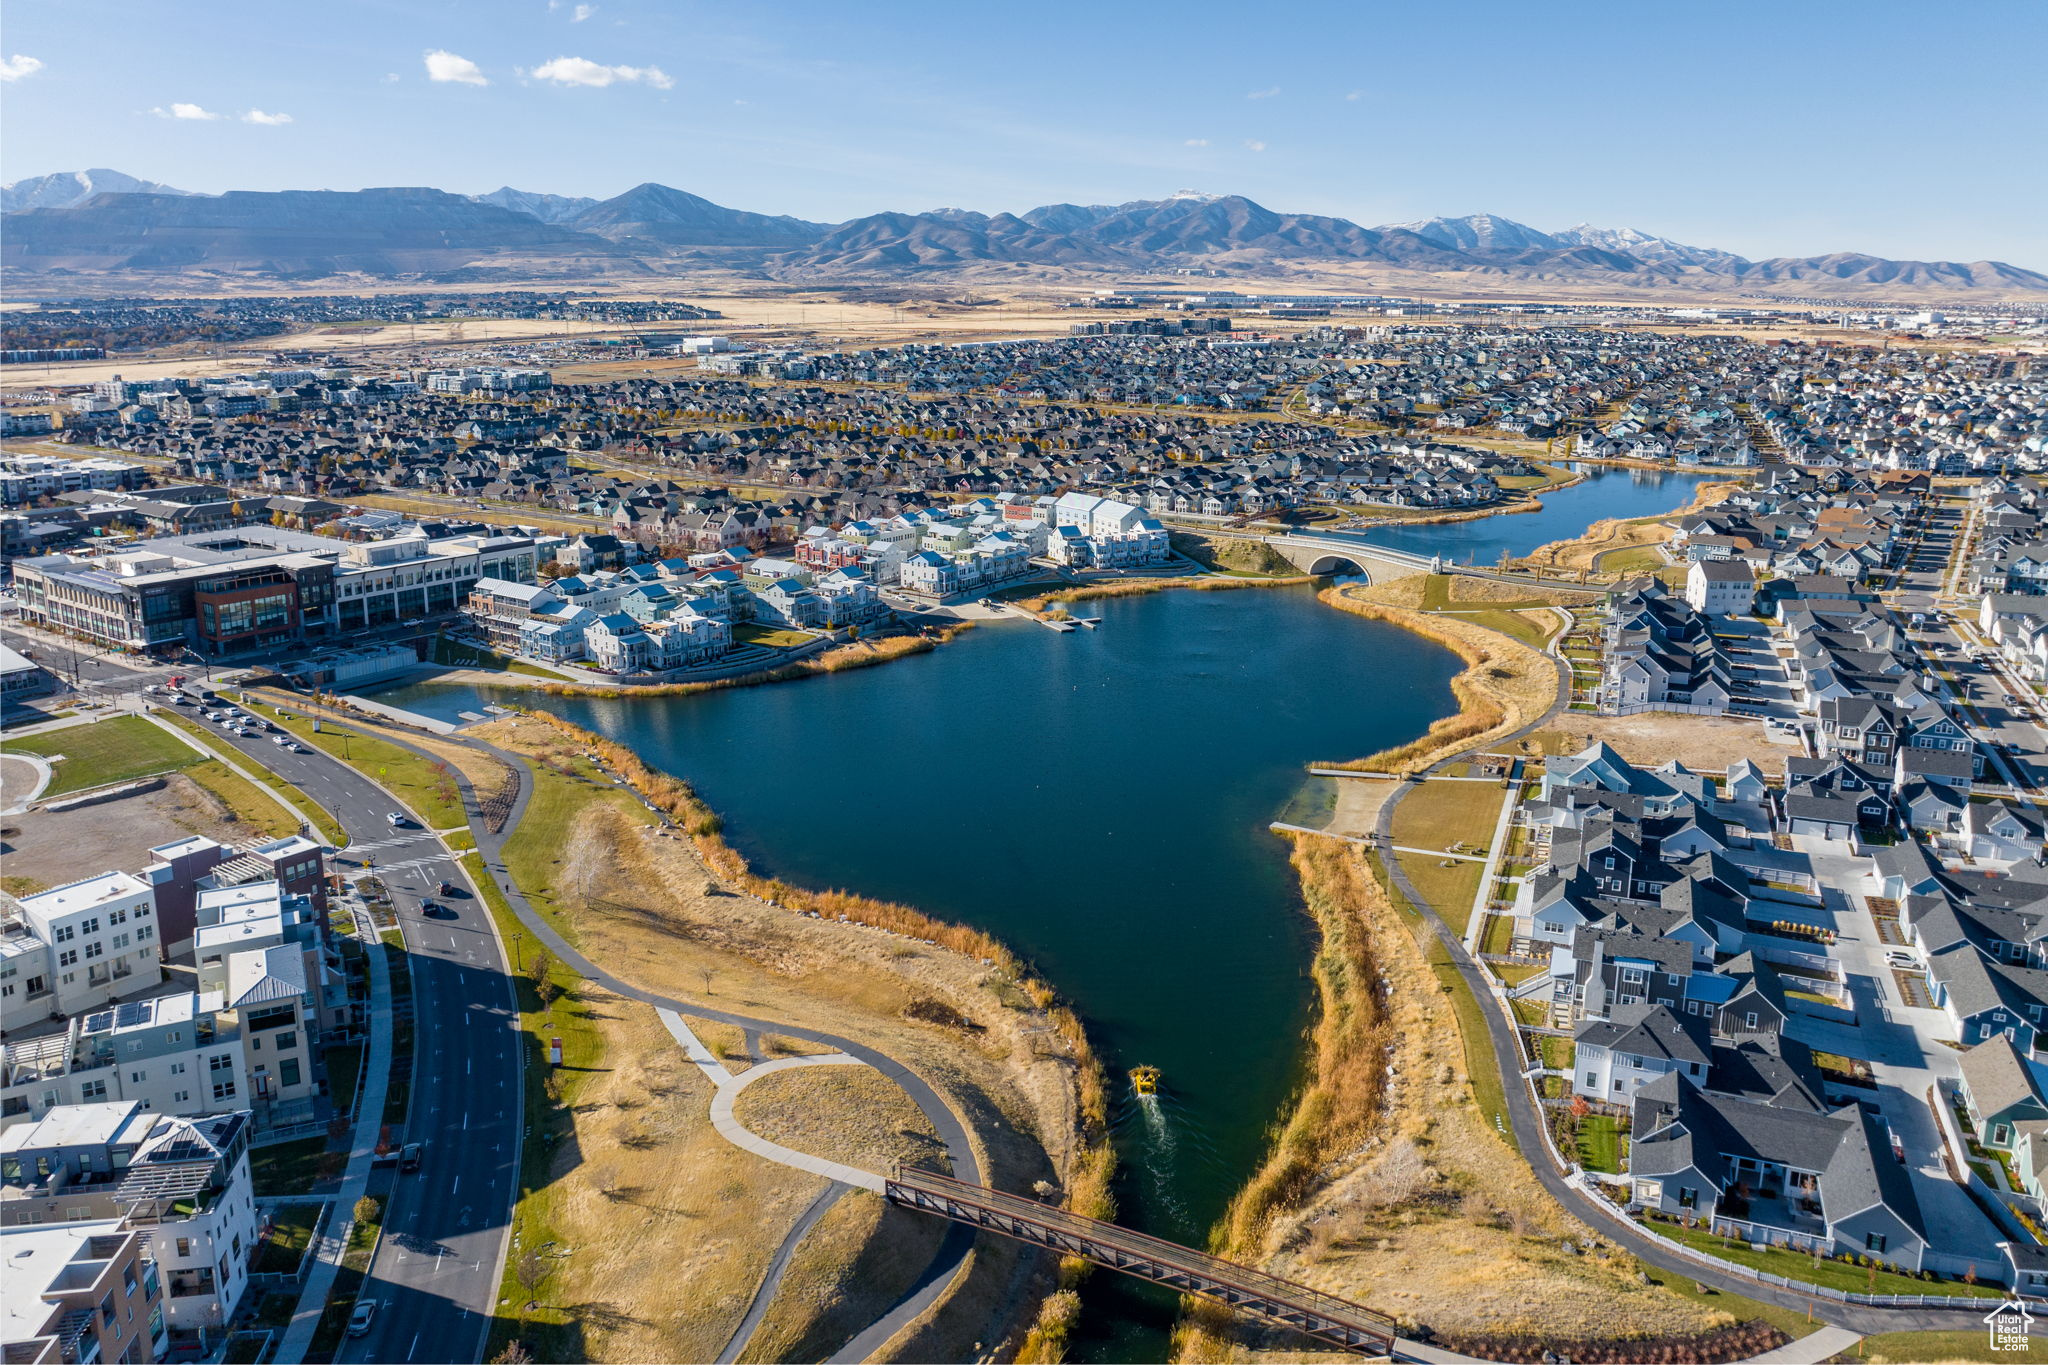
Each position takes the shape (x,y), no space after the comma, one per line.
(437,1270)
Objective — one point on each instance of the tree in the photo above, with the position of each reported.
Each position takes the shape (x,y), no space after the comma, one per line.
(515,1353)
(545,988)
(368,1209)
(532,1271)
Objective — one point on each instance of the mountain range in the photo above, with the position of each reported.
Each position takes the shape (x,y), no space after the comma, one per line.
(100,222)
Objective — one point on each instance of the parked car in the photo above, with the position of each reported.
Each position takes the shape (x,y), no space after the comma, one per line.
(364,1314)
(1903,960)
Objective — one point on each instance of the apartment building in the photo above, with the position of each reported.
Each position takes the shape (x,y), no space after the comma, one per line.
(185,1183)
(75,948)
(78,1292)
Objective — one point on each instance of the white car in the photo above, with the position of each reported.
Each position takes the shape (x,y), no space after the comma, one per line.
(395,820)
(280,742)
(1901,959)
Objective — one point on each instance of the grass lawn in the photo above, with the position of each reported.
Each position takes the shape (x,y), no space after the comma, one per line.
(1479,1054)
(290,1231)
(1794,1265)
(770,636)
(550,1331)
(249,803)
(558,799)
(288,1168)
(1499,935)
(1600,1140)
(421,783)
(1439,815)
(457,654)
(344,1068)
(1519,625)
(117,750)
(307,809)
(1555,1052)
(1640,559)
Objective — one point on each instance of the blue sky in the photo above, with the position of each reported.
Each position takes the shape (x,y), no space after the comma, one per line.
(1789,128)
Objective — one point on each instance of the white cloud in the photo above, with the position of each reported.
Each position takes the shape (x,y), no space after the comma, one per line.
(582,71)
(582,12)
(1355,95)
(1196,142)
(185,111)
(1265,94)
(1252,144)
(15,67)
(267,120)
(446,66)
(391,78)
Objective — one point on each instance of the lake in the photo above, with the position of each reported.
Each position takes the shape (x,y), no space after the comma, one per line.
(1100,801)
(1608,491)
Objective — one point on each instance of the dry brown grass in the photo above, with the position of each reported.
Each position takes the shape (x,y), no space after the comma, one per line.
(862,1252)
(1708,743)
(687,917)
(668,1226)
(1388,1187)
(1505,686)
(852,1114)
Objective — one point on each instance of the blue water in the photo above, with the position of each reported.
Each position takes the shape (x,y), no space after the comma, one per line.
(1608,492)
(1099,800)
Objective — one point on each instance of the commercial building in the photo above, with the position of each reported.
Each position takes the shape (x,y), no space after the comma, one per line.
(261,587)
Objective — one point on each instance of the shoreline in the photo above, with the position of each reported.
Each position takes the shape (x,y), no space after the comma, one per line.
(1611,534)
(1087,1183)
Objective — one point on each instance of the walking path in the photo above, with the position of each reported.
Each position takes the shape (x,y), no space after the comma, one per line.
(772,1281)
(951,1258)
(1475,928)
(326,1253)
(1525,1123)
(1812,1349)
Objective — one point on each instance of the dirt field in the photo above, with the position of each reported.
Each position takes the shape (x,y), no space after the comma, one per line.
(1707,743)
(643,904)
(55,849)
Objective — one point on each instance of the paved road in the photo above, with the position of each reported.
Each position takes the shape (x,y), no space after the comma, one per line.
(437,1270)
(951,1258)
(1525,1122)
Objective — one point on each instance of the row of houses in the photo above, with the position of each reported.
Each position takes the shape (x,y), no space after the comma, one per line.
(1660,904)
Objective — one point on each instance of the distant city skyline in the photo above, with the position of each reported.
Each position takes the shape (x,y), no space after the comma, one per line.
(1767,130)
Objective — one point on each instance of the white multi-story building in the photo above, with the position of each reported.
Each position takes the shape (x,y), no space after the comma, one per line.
(186,1181)
(77,947)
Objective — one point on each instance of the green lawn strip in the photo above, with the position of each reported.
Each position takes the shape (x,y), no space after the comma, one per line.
(250,804)
(1479,1053)
(120,749)
(1640,559)
(549,1096)
(461,841)
(1499,934)
(1790,1321)
(309,810)
(344,1062)
(288,1168)
(1439,815)
(458,654)
(560,795)
(398,1089)
(770,636)
(426,786)
(1832,1274)
(1555,1052)
(291,1230)
(1510,623)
